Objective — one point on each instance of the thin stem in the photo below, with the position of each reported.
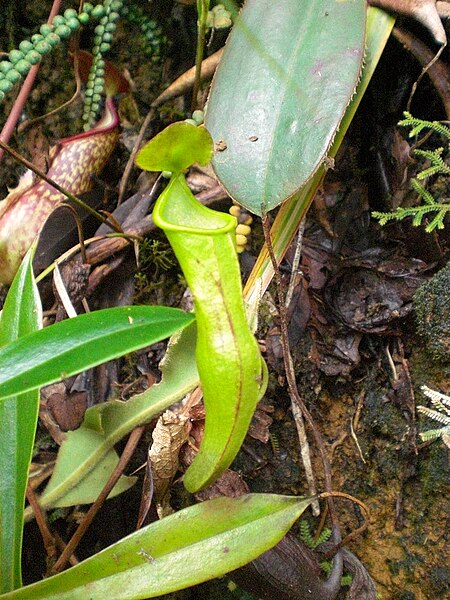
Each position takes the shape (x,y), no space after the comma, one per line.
(292,384)
(130,447)
(202,10)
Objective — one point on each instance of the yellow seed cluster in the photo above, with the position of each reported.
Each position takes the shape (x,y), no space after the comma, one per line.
(243,228)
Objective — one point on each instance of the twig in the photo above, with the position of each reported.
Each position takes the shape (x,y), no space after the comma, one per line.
(437,70)
(25,90)
(137,146)
(47,537)
(95,507)
(292,385)
(295,263)
(354,422)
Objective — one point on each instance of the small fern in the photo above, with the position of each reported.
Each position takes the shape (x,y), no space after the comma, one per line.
(310,540)
(441,403)
(438,167)
(418,125)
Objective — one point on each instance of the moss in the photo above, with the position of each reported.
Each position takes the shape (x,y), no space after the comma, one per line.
(432,309)
(439,578)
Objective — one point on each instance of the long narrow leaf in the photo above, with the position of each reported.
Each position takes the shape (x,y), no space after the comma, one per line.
(21,315)
(79,475)
(191,546)
(73,345)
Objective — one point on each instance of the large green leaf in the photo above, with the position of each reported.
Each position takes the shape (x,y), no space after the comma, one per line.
(193,545)
(21,315)
(286,77)
(379,27)
(73,345)
(81,469)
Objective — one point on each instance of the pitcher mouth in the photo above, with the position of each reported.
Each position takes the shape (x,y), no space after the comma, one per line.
(192,217)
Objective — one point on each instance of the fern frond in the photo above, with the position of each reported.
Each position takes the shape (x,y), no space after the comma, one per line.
(418,125)
(417,213)
(305,534)
(307,537)
(437,163)
(424,194)
(431,434)
(440,400)
(434,414)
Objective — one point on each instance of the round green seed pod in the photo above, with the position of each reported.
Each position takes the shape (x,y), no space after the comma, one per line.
(114,16)
(89,92)
(63,31)
(36,38)
(45,29)
(2,96)
(83,17)
(53,39)
(98,89)
(96,98)
(107,37)
(88,7)
(5,86)
(70,13)
(99,81)
(191,122)
(198,116)
(23,67)
(6,66)
(95,49)
(116,5)
(43,47)
(58,20)
(13,76)
(98,11)
(33,57)
(74,24)
(100,64)
(166,174)
(104,47)
(100,71)
(110,27)
(104,20)
(26,46)
(97,40)
(15,55)
(99,30)
(95,106)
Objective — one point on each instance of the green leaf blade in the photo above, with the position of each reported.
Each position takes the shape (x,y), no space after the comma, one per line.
(104,425)
(73,345)
(176,148)
(286,77)
(196,544)
(21,315)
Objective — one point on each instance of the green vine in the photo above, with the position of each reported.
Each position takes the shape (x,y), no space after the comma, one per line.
(429,205)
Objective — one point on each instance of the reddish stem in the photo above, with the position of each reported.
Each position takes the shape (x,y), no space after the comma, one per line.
(25,90)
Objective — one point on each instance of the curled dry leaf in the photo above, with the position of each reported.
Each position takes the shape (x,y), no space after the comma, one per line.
(170,433)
